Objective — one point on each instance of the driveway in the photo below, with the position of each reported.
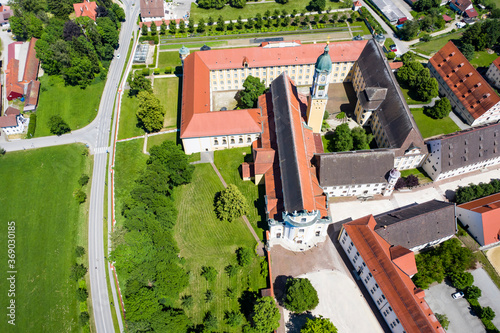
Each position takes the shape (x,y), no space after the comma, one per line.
(457,310)
(490,295)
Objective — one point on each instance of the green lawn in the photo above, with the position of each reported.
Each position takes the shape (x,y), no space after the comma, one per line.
(158,139)
(167,90)
(436,44)
(483,59)
(250,10)
(38,196)
(190,45)
(75,105)
(430,127)
(204,240)
(129,162)
(128,127)
(422,176)
(359,28)
(169,59)
(326,140)
(228,162)
(410,95)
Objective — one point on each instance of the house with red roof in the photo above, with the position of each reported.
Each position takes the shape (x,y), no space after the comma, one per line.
(356,5)
(481,218)
(86,8)
(385,271)
(28,86)
(460,6)
(153,10)
(493,73)
(471,13)
(469,93)
(13,122)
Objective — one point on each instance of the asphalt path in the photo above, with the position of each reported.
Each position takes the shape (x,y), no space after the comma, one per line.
(97,136)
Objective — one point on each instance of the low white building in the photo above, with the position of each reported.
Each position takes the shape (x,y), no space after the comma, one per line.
(462,152)
(493,73)
(385,271)
(153,10)
(361,173)
(13,122)
(481,218)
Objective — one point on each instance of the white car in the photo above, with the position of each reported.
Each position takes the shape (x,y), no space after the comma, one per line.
(458,294)
(460,24)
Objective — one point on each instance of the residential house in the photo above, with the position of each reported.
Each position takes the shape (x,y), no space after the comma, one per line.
(385,271)
(460,6)
(13,122)
(469,93)
(152,10)
(493,73)
(481,218)
(5,13)
(86,8)
(462,152)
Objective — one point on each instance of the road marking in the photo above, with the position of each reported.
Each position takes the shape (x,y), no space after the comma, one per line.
(100,150)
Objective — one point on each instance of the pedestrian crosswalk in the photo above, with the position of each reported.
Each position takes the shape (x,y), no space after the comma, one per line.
(101,150)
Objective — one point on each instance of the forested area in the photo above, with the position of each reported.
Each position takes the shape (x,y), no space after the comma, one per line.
(79,49)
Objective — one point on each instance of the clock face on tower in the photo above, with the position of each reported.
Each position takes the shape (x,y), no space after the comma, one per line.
(322,78)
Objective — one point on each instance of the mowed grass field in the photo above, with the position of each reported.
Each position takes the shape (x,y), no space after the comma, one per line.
(128,127)
(251,9)
(204,240)
(37,193)
(430,127)
(158,139)
(436,44)
(169,58)
(167,90)
(75,105)
(228,162)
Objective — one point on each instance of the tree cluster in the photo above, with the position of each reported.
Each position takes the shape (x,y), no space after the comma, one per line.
(472,191)
(150,112)
(345,139)
(440,109)
(145,251)
(448,259)
(219,4)
(300,295)
(418,78)
(431,21)
(138,83)
(481,35)
(77,49)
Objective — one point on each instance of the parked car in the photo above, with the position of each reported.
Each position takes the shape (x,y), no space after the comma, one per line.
(460,24)
(458,294)
(393,48)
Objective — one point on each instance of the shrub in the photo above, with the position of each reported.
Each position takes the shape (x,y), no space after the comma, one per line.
(187,301)
(231,270)
(79,251)
(231,293)
(244,256)
(209,296)
(391,55)
(145,71)
(84,179)
(209,322)
(81,294)
(80,196)
(2,151)
(209,273)
(31,126)
(168,70)
(487,313)
(234,318)
(78,271)
(472,292)
(443,320)
(461,280)
(84,318)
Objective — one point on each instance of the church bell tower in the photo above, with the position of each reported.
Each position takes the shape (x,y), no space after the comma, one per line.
(319,91)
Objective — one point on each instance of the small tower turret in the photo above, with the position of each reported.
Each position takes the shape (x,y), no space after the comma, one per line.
(391,182)
(183,53)
(319,91)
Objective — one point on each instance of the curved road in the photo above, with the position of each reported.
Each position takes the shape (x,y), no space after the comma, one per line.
(97,136)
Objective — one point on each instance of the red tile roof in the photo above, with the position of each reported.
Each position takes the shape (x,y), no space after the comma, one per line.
(8,121)
(13,88)
(86,8)
(404,259)
(396,65)
(152,8)
(405,299)
(11,111)
(471,13)
(32,92)
(446,18)
(496,62)
(197,120)
(489,208)
(466,83)
(461,4)
(32,62)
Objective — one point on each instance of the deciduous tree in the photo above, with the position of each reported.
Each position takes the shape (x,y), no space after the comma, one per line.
(342,138)
(230,204)
(265,316)
(440,109)
(57,125)
(300,295)
(318,325)
(150,112)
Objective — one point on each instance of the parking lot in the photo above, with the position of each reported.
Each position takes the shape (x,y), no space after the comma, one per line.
(457,310)
(490,294)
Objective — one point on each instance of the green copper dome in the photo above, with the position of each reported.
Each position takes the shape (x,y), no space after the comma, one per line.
(324,62)
(184,50)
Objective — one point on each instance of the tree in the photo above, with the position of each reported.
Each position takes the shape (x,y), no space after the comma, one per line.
(472,292)
(144,30)
(201,26)
(209,296)
(265,316)
(182,27)
(187,301)
(172,158)
(300,295)
(409,30)
(153,28)
(209,322)
(443,320)
(468,51)
(361,140)
(168,320)
(57,125)
(440,109)
(210,21)
(81,294)
(2,151)
(83,180)
(429,268)
(462,280)
(150,112)
(318,325)
(234,318)
(231,270)
(209,273)
(78,271)
(316,5)
(230,204)
(487,313)
(138,83)
(427,89)
(220,24)
(342,139)
(244,256)
(172,28)
(79,251)
(84,318)
(411,181)
(142,305)
(191,26)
